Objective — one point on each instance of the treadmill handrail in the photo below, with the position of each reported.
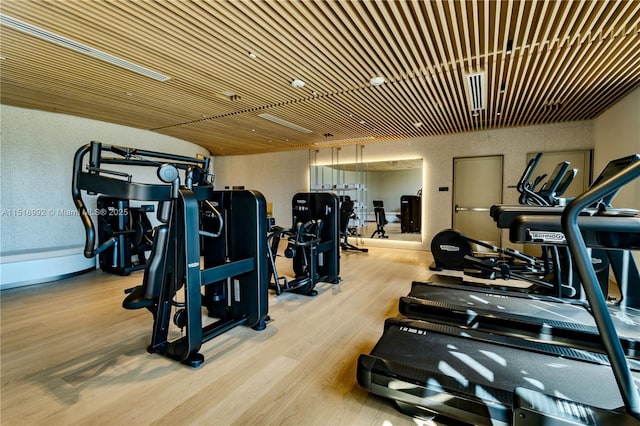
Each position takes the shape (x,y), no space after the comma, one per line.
(582,261)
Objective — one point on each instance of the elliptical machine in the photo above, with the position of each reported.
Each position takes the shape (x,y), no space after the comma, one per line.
(453,250)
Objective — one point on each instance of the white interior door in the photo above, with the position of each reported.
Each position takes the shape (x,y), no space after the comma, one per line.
(477,185)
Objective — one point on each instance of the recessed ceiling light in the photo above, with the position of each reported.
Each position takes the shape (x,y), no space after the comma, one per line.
(377,80)
(284,123)
(418,124)
(252,55)
(297,83)
(43,34)
(365,138)
(231,95)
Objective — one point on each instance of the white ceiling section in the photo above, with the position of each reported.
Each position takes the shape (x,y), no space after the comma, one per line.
(231,62)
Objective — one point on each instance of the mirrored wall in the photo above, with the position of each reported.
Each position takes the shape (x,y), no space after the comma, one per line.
(386,195)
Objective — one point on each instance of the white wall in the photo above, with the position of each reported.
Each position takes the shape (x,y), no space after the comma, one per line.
(390,186)
(280,175)
(616,133)
(36,157)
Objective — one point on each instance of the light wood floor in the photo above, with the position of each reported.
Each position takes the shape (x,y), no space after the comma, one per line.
(71,355)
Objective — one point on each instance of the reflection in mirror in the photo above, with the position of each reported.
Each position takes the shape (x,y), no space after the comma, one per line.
(394,186)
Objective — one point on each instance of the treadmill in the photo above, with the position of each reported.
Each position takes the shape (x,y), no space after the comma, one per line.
(565,322)
(479,376)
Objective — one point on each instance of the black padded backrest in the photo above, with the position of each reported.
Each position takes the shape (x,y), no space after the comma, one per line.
(380,216)
(154,272)
(143,296)
(346,210)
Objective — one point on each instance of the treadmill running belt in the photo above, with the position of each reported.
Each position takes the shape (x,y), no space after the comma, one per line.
(449,372)
(518,314)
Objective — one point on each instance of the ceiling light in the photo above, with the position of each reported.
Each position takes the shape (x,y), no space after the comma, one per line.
(231,95)
(284,123)
(377,80)
(297,83)
(366,138)
(252,55)
(78,47)
(418,124)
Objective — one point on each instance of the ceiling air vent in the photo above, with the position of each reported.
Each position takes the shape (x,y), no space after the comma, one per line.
(477,91)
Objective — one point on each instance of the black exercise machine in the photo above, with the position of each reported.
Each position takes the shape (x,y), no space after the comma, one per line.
(381,219)
(313,244)
(410,213)
(302,241)
(567,322)
(224,231)
(346,214)
(553,272)
(619,262)
(478,371)
(133,230)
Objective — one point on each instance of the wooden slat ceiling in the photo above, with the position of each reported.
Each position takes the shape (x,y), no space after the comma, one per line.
(543,61)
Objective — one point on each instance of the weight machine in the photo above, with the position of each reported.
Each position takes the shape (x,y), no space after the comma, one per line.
(133,230)
(313,244)
(207,240)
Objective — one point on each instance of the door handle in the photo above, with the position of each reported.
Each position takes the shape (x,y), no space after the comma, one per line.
(470,209)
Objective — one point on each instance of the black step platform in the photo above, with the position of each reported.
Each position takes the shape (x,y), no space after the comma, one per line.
(470,375)
(534,317)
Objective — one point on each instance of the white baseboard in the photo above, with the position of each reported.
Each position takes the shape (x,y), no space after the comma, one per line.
(26,267)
